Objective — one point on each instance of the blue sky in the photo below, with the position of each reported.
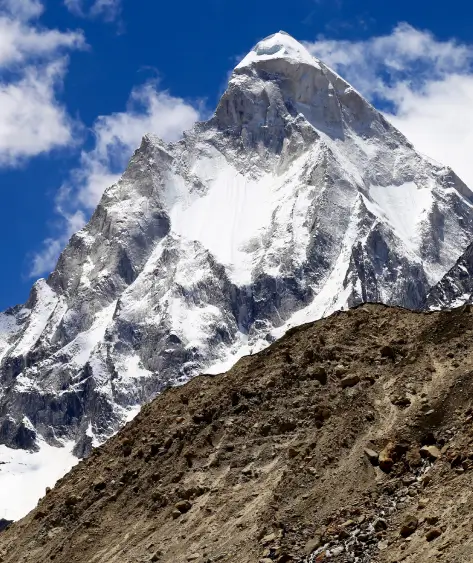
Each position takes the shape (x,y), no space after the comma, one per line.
(82,81)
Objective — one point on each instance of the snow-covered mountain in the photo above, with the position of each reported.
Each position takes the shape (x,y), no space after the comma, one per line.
(295,199)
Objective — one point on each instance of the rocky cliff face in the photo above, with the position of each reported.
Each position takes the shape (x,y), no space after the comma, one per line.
(456,286)
(295,199)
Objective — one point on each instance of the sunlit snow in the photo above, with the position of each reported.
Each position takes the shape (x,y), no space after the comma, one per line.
(24,476)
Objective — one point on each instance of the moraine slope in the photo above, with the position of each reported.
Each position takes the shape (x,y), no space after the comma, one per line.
(267,462)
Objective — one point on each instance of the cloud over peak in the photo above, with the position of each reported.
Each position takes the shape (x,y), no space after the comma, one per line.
(424,86)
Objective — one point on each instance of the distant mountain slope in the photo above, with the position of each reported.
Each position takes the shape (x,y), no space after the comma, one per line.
(335,444)
(456,286)
(297,198)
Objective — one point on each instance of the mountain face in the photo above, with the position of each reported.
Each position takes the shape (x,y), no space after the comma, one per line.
(297,198)
(456,286)
(333,445)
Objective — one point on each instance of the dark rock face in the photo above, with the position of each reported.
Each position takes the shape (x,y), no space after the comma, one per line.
(456,287)
(5,524)
(282,208)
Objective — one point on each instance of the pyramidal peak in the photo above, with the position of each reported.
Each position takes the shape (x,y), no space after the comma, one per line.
(279,45)
(279,85)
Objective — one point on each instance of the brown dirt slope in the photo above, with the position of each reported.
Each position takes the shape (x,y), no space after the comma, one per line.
(267,462)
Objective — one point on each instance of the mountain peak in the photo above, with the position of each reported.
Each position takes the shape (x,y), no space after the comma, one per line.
(280,45)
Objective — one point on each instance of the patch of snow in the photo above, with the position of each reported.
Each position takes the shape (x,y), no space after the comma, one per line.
(8,326)
(233,216)
(404,207)
(191,323)
(81,347)
(87,268)
(132,412)
(25,475)
(39,317)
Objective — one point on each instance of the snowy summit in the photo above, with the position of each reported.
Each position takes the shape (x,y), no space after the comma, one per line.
(279,46)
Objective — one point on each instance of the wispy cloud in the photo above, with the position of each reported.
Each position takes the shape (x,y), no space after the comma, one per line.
(109,10)
(23,9)
(149,110)
(423,84)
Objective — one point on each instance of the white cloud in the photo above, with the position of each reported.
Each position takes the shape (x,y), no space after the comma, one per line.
(109,10)
(424,86)
(22,42)
(32,65)
(45,260)
(116,137)
(31,120)
(23,9)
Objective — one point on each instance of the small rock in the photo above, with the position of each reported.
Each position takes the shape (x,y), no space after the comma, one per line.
(433,534)
(340,370)
(432,520)
(193,557)
(287,425)
(183,506)
(400,401)
(430,452)
(388,352)
(350,381)
(176,513)
(270,538)
(312,545)
(100,485)
(384,459)
(382,545)
(409,526)
(423,502)
(380,524)
(318,373)
(426,479)
(372,456)
(71,500)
